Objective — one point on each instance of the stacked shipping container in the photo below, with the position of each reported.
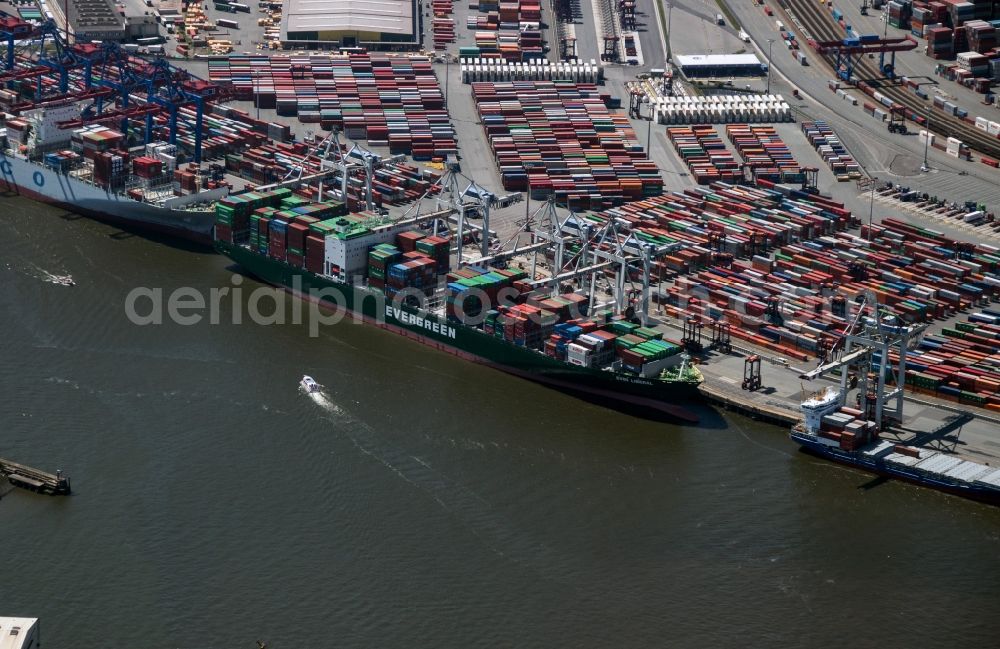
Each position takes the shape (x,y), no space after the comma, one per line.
(707,224)
(799,300)
(764,152)
(705,154)
(443,25)
(392,101)
(833,152)
(558,138)
(509,30)
(939,43)
(963,364)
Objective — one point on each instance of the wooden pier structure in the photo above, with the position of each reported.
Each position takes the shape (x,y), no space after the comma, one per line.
(35,480)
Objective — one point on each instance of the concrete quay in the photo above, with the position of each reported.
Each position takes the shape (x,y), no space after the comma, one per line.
(947,427)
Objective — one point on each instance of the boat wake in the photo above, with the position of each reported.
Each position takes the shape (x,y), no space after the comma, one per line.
(321,399)
(35,272)
(61,381)
(61,280)
(52,278)
(324,402)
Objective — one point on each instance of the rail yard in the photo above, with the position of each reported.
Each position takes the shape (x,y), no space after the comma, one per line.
(660,237)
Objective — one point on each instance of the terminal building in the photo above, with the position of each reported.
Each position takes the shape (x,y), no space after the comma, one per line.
(720,65)
(91,20)
(374,24)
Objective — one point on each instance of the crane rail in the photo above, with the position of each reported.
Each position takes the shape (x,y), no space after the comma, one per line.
(822,27)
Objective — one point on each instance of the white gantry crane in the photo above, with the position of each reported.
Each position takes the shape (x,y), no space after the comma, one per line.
(865,346)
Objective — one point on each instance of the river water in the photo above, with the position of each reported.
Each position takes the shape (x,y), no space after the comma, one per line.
(424,501)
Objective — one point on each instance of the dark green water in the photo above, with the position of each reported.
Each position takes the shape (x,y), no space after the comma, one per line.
(428,503)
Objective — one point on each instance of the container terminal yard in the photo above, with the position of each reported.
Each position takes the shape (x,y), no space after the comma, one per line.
(777,237)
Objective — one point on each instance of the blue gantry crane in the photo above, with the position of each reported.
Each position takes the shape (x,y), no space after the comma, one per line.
(125,87)
(146,89)
(173,89)
(12,29)
(848,49)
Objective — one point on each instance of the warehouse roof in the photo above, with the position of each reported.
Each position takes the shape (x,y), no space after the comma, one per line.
(722,60)
(386,16)
(94,15)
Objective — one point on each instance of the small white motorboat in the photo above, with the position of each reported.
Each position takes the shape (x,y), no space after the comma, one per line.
(309,385)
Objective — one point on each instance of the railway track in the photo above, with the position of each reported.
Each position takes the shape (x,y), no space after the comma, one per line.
(820,25)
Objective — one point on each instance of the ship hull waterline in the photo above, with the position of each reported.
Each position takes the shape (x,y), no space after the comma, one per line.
(880,468)
(471,344)
(48,186)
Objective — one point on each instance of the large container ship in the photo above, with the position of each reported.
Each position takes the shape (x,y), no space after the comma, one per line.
(375,268)
(86,171)
(841,434)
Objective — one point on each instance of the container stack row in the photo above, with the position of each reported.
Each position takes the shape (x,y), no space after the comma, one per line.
(799,299)
(388,100)
(707,225)
(380,259)
(558,326)
(962,364)
(560,138)
(898,14)
(939,43)
(705,154)
(292,231)
(414,272)
(924,15)
(443,25)
(982,36)
(765,153)
(63,161)
(831,149)
(411,265)
(473,290)
(507,30)
(233,213)
(433,247)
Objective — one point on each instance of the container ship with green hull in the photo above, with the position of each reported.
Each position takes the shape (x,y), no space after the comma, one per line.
(390,276)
